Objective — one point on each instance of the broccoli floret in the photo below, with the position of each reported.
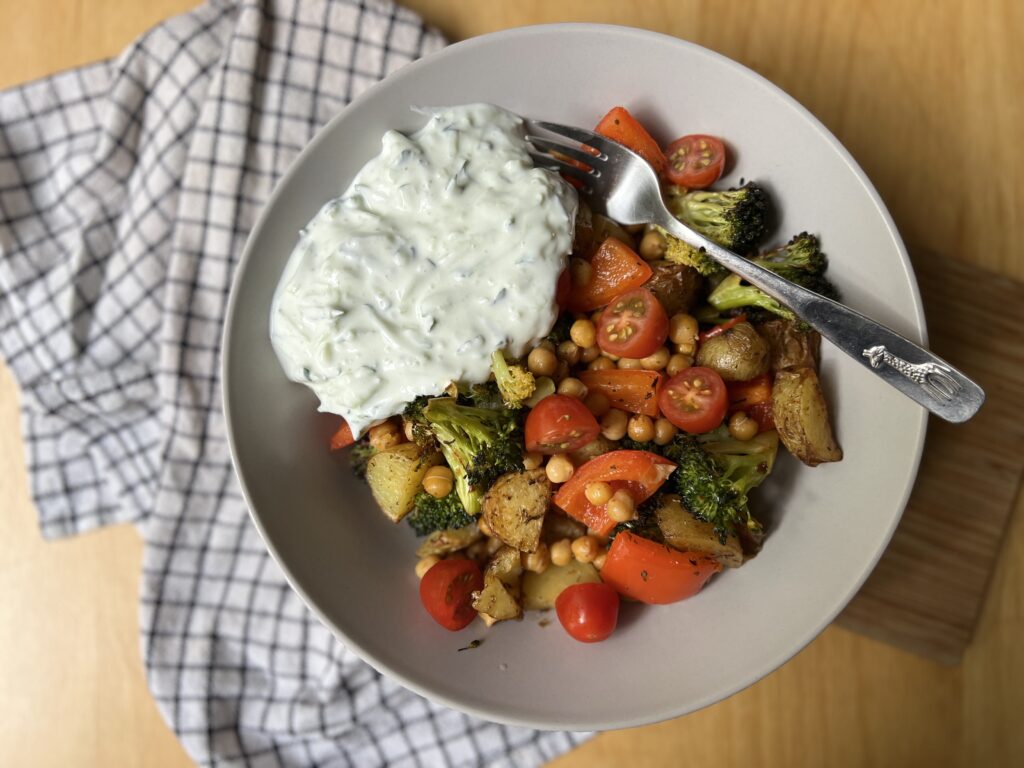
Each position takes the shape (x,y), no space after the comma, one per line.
(515,383)
(485,395)
(744,463)
(681,252)
(422,435)
(735,218)
(645,523)
(479,444)
(430,514)
(359,456)
(800,260)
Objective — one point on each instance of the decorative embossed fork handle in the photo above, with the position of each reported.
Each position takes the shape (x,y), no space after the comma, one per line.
(622,185)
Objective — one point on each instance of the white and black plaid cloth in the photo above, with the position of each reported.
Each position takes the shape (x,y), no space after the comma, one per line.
(127,189)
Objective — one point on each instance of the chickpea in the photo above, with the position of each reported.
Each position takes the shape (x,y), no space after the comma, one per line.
(742,427)
(572,387)
(559,468)
(641,428)
(682,328)
(538,561)
(569,351)
(653,245)
(384,436)
(548,345)
(614,424)
(597,403)
(656,361)
(595,316)
(584,333)
(425,564)
(542,361)
(407,430)
(664,431)
(532,459)
(621,507)
(581,272)
(678,363)
(629,363)
(601,364)
(590,354)
(585,548)
(438,481)
(561,552)
(599,560)
(562,371)
(598,493)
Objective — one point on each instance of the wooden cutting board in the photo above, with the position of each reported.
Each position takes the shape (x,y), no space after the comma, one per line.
(926,593)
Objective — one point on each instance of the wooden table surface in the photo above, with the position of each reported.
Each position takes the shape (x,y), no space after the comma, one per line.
(928,96)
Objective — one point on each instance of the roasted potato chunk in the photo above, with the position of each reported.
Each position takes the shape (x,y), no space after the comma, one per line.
(514,508)
(540,590)
(395,474)
(737,354)
(677,286)
(499,599)
(801,417)
(685,532)
(450,540)
(788,346)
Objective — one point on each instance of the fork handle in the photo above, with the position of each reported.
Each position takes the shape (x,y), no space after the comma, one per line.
(920,375)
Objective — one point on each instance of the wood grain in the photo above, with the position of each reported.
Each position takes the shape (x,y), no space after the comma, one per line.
(923,94)
(926,592)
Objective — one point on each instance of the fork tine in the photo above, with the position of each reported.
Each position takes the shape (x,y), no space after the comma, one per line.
(565,149)
(542,160)
(589,138)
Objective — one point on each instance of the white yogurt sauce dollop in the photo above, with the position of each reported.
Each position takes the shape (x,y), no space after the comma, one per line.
(446,247)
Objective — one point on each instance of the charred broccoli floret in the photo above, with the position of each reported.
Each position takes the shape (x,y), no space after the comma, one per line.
(800,261)
(734,218)
(485,395)
(479,444)
(359,456)
(681,252)
(430,514)
(744,463)
(515,383)
(560,330)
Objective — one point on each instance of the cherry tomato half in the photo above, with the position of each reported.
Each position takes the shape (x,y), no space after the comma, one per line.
(695,400)
(589,612)
(695,161)
(446,591)
(633,325)
(558,424)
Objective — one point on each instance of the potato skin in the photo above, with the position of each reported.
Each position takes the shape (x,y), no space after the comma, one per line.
(394,476)
(789,347)
(499,599)
(677,286)
(737,354)
(802,418)
(514,508)
(686,533)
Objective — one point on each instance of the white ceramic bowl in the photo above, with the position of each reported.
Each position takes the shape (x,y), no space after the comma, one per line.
(828,525)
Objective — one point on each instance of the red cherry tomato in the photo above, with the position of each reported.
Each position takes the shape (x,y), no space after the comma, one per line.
(560,423)
(696,161)
(446,591)
(695,400)
(633,325)
(655,573)
(589,612)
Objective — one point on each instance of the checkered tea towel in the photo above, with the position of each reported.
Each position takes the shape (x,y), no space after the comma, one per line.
(127,189)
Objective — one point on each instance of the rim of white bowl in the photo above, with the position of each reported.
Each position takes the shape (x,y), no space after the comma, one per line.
(569,722)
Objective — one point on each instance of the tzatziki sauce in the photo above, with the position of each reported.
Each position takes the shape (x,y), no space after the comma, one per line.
(446,247)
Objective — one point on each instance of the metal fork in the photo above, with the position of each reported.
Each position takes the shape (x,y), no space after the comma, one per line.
(620,184)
